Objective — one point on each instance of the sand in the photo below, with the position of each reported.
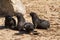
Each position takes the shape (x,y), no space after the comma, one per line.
(45,9)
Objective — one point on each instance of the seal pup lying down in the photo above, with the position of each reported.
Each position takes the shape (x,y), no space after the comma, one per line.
(10,22)
(39,23)
(22,24)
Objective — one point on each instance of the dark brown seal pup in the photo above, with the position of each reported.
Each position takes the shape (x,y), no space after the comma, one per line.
(22,24)
(10,22)
(39,23)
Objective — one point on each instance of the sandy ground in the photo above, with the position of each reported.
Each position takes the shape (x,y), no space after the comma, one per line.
(45,9)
